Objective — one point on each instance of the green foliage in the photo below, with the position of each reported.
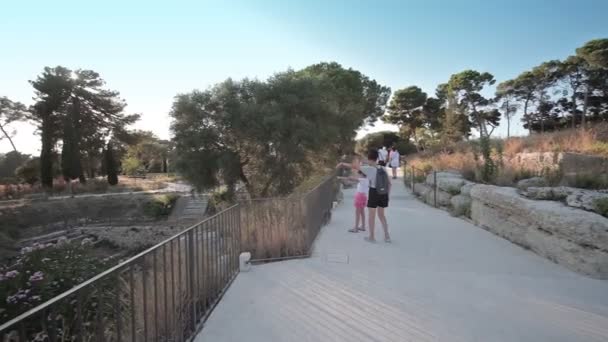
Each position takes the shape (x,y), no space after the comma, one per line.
(132,166)
(488,169)
(29,172)
(45,271)
(376,140)
(595,52)
(588,181)
(160,206)
(74,107)
(260,133)
(601,205)
(10,162)
(405,108)
(10,112)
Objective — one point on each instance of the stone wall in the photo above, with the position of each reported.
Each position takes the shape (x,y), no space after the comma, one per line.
(559,231)
(571,237)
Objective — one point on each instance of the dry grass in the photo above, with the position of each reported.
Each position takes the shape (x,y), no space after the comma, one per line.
(593,141)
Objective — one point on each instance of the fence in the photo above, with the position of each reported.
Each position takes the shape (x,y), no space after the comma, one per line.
(279,228)
(161,294)
(166,292)
(413,175)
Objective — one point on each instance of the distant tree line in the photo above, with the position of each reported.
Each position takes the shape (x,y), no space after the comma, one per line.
(83,129)
(552,96)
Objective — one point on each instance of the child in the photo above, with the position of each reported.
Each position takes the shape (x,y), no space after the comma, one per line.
(360,200)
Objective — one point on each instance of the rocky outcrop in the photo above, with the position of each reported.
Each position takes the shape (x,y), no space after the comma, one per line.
(460,205)
(572,197)
(524,184)
(427,194)
(571,237)
(447,181)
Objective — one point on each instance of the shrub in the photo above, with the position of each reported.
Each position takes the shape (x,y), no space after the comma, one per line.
(43,272)
(160,206)
(601,205)
(586,181)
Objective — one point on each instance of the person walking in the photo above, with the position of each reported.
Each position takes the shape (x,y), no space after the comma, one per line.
(394,161)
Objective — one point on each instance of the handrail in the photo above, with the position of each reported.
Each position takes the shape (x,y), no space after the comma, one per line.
(105,273)
(425,173)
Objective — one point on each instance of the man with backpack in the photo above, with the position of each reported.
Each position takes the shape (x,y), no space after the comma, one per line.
(377,198)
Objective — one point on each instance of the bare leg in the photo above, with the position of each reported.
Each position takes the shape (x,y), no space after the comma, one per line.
(362,211)
(394,172)
(372,223)
(382,219)
(357,217)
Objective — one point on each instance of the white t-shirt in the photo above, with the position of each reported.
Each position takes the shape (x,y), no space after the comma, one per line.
(382,154)
(370,174)
(363,186)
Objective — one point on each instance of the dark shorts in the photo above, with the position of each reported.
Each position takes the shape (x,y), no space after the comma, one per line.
(374,200)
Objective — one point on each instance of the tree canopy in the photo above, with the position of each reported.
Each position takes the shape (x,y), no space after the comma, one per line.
(270,134)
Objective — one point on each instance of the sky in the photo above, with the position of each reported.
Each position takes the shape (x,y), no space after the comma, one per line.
(152,50)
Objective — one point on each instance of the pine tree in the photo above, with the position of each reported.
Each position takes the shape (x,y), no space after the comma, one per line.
(110,165)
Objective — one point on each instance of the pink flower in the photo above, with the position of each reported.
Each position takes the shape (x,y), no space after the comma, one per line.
(38,276)
(11,274)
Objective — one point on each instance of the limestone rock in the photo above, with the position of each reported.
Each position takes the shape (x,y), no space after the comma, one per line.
(571,237)
(461,205)
(524,184)
(447,181)
(585,199)
(548,193)
(466,188)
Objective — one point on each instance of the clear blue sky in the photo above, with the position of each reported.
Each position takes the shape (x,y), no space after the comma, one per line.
(152,50)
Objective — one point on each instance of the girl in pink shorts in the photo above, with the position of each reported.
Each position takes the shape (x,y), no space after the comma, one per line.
(360,201)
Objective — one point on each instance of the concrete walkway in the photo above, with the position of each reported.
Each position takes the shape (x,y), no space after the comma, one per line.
(442,279)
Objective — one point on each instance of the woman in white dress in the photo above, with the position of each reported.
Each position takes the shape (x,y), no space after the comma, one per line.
(394,161)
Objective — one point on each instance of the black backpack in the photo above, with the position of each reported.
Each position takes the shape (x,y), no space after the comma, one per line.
(382,182)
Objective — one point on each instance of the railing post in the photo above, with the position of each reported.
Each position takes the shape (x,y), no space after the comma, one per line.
(190,277)
(413,177)
(435,188)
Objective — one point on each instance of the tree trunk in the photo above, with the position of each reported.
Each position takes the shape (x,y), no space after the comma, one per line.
(573,108)
(585,104)
(8,137)
(46,154)
(527,117)
(415,140)
(508,117)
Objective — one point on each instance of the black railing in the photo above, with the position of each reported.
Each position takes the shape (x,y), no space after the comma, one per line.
(161,294)
(413,175)
(167,292)
(282,228)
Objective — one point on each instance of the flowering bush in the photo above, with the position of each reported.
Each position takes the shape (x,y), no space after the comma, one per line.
(43,272)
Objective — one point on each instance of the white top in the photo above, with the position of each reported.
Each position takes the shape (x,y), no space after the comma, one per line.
(363,186)
(395,159)
(370,174)
(382,154)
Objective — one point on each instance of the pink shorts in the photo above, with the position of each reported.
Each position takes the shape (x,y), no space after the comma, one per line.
(360,200)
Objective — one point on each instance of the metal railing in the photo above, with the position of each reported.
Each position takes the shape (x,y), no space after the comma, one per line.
(413,174)
(162,294)
(167,292)
(282,228)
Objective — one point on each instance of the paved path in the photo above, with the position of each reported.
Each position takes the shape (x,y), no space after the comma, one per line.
(442,279)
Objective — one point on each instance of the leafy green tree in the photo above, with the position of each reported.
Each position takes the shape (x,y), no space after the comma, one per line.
(10,112)
(74,106)
(10,162)
(506,96)
(110,165)
(259,132)
(406,109)
(376,140)
(574,72)
(466,87)
(52,89)
(595,53)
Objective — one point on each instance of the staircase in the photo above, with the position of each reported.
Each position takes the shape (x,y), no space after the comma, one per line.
(189,210)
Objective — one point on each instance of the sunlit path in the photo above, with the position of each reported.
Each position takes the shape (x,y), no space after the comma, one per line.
(442,279)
